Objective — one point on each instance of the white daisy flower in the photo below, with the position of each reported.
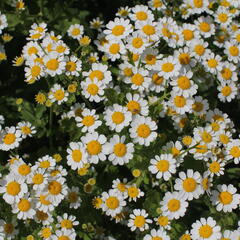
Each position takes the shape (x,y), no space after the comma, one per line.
(113,202)
(42,203)
(32,50)
(26,129)
(43,217)
(65,234)
(117,117)
(133,192)
(75,31)
(228,73)
(21,170)
(223,16)
(46,162)
(188,184)
(227,91)
(232,50)
(205,229)
(157,234)
(67,222)
(174,205)
(120,152)
(39,178)
(225,198)
(73,66)
(198,7)
(3,22)
(212,63)
(200,106)
(185,58)
(158,83)
(233,150)
(88,120)
(96,147)
(148,30)
(205,26)
(33,71)
(77,155)
(163,222)
(120,186)
(180,104)
(138,220)
(58,94)
(163,166)
(141,13)
(199,48)
(190,33)
(8,230)
(136,43)
(150,58)
(142,130)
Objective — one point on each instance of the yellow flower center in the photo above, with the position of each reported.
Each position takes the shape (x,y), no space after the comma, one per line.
(114,48)
(214,167)
(201,149)
(226,73)
(167,67)
(179,101)
(175,151)
(163,221)
(46,233)
(128,72)
(156,79)
(32,50)
(112,202)
(137,42)
(234,51)
(35,71)
(139,221)
(223,17)
(38,178)
(205,231)
(13,188)
(92,89)
(96,74)
(120,149)
(141,16)
(235,151)
(149,30)
(206,137)
(205,183)
(54,187)
(121,187)
(45,164)
(42,199)
(9,138)
(41,215)
(157,238)
(137,79)
(150,59)
(215,126)
(59,94)
(64,237)
(88,121)
(24,169)
(72,197)
(199,49)
(76,31)
(184,58)
(185,237)
(94,147)
(188,34)
(163,165)
(224,138)
(134,107)
(133,192)
(166,32)
(77,155)
(204,27)
(24,205)
(226,91)
(187,140)
(65,223)
(26,130)
(118,30)
(118,117)
(157,3)
(71,66)
(174,205)
(212,63)
(52,64)
(189,184)
(184,82)
(198,3)
(143,130)
(8,228)
(197,106)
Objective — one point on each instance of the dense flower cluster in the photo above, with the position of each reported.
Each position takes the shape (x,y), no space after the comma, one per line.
(139,104)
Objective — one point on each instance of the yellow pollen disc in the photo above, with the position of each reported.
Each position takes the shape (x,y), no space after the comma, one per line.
(197,106)
(72,197)
(114,48)
(143,130)
(9,138)
(8,228)
(205,183)
(26,130)
(189,184)
(120,149)
(118,117)
(157,238)
(157,3)
(141,16)
(185,237)
(41,215)
(188,34)
(32,50)
(234,51)
(38,178)
(88,121)
(137,42)
(77,155)
(54,187)
(24,205)
(205,231)
(212,63)
(43,200)
(224,138)
(179,101)
(71,66)
(166,32)
(235,151)
(133,192)
(65,223)
(13,188)
(76,31)
(163,165)
(94,147)
(35,71)
(173,205)
(59,94)
(134,107)
(198,3)
(204,27)
(163,221)
(128,72)
(184,82)
(52,64)
(201,149)
(64,237)
(118,30)
(167,67)
(45,164)
(112,202)
(121,187)
(139,221)
(223,17)
(137,79)
(150,59)
(226,73)
(199,49)
(149,30)
(24,169)
(214,167)
(206,137)
(96,74)
(156,79)
(184,58)
(92,89)
(226,91)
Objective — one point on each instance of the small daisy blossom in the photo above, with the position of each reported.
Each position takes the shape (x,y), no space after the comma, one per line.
(233,150)
(75,31)
(73,197)
(225,198)
(65,234)
(8,230)
(66,221)
(142,130)
(120,152)
(58,94)
(205,229)
(157,234)
(133,192)
(163,166)
(138,220)
(227,92)
(73,66)
(26,129)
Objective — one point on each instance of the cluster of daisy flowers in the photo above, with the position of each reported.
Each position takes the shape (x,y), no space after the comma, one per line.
(137,104)
(4,37)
